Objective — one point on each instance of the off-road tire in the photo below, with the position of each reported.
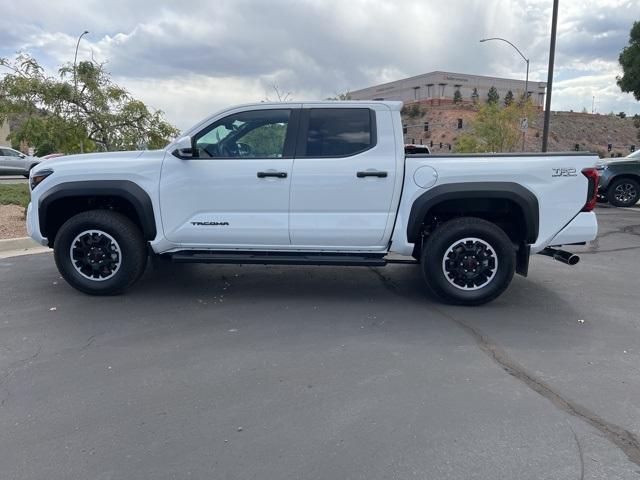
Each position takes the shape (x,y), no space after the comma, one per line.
(491,245)
(127,240)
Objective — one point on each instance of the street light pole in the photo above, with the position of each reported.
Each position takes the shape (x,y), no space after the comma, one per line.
(75,83)
(526,82)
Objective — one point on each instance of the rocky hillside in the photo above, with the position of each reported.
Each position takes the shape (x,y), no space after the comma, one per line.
(591,132)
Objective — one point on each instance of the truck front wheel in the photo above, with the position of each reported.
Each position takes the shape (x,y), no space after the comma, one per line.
(100,252)
(468,261)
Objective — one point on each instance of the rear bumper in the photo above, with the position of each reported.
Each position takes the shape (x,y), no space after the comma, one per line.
(33,227)
(583,228)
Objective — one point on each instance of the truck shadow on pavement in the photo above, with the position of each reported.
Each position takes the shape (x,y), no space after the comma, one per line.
(394,292)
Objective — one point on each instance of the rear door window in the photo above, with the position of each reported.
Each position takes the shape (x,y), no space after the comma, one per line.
(338,132)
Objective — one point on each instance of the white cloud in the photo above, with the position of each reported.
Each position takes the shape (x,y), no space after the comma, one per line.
(192,58)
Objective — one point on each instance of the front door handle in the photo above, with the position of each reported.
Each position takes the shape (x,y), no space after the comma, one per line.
(372,173)
(272,174)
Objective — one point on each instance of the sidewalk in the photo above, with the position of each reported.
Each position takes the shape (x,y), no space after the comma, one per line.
(13,247)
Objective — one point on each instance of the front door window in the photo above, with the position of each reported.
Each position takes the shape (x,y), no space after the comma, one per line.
(254,134)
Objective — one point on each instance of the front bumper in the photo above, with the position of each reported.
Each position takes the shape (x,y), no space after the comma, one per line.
(583,228)
(33,227)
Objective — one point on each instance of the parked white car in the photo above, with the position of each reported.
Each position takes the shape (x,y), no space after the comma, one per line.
(318,183)
(13,162)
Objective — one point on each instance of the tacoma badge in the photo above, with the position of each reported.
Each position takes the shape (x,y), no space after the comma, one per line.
(210,224)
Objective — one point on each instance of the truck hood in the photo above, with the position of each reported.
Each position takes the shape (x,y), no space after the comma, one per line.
(103,158)
(622,161)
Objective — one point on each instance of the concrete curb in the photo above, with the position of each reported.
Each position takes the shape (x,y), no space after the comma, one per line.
(20,246)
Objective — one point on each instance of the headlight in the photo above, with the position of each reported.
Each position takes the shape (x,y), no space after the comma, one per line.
(38,177)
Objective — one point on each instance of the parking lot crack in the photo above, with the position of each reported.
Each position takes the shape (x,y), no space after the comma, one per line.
(11,369)
(88,343)
(580,452)
(386,281)
(619,436)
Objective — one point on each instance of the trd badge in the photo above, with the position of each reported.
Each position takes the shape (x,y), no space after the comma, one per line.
(564,172)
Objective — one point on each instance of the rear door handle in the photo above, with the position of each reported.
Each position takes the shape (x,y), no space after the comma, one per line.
(372,173)
(272,174)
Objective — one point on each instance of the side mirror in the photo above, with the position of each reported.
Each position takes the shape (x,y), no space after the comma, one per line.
(184,148)
(22,155)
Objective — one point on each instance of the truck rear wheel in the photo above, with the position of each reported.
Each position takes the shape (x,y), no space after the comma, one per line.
(468,261)
(100,252)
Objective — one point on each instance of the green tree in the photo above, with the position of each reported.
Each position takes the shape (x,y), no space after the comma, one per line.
(630,62)
(492,96)
(495,129)
(52,115)
(474,95)
(412,111)
(457,97)
(341,96)
(266,141)
(508,98)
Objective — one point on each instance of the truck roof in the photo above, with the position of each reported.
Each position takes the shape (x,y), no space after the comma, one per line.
(391,105)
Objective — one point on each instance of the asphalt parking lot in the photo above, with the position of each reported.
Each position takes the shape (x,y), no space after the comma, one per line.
(239,372)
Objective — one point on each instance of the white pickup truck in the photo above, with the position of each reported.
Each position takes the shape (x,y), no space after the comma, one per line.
(318,183)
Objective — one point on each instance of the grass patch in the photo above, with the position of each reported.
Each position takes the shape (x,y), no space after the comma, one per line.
(15,194)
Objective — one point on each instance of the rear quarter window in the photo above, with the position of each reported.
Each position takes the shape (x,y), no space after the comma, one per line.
(339,132)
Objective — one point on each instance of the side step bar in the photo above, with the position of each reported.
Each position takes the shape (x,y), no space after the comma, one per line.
(561,255)
(284,258)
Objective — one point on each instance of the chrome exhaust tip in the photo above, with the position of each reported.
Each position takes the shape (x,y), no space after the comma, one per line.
(562,256)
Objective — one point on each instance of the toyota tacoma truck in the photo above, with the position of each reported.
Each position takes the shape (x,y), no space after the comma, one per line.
(318,183)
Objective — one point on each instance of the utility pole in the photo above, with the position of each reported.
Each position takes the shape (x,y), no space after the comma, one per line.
(552,54)
(75,84)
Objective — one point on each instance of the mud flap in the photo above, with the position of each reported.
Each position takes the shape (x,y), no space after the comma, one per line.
(522,259)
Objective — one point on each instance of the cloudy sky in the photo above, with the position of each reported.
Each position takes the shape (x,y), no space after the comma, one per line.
(193,57)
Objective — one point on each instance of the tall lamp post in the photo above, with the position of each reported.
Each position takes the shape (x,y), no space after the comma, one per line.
(75,82)
(526,83)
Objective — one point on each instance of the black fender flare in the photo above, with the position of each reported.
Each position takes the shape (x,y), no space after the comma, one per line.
(514,192)
(125,189)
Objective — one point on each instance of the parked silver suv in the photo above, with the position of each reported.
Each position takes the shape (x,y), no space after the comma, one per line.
(13,162)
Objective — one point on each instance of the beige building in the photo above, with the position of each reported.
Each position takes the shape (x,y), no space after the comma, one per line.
(438,88)
(4,133)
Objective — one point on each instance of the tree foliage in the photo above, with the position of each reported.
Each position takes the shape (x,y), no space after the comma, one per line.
(266,141)
(492,96)
(474,95)
(344,96)
(508,98)
(495,129)
(457,97)
(53,115)
(412,111)
(630,62)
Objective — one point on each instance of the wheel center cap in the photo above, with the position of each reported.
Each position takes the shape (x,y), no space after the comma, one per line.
(470,263)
